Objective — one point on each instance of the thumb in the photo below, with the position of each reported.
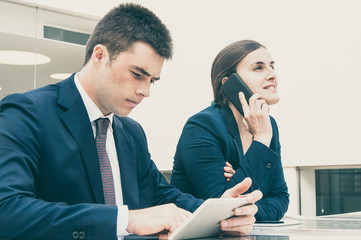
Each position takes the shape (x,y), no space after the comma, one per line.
(238,189)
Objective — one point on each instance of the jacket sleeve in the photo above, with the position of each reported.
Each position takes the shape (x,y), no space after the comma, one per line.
(163,192)
(22,215)
(202,150)
(166,193)
(275,204)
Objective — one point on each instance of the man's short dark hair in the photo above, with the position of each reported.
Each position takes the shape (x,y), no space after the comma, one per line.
(126,24)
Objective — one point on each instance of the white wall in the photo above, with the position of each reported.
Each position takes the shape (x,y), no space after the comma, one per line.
(316,47)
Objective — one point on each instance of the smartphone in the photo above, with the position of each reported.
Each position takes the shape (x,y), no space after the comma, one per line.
(231,89)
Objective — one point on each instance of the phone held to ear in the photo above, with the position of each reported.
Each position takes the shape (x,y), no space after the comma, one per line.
(231,89)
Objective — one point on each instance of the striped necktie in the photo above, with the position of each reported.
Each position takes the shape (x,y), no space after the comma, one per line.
(105,168)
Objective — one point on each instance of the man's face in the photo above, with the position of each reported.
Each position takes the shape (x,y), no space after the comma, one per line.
(120,85)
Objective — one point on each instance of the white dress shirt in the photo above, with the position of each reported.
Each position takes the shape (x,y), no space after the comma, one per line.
(94,113)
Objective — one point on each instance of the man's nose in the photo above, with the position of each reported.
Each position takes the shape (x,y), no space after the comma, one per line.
(144,89)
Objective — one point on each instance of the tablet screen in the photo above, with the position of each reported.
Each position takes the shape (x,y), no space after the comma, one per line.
(204,222)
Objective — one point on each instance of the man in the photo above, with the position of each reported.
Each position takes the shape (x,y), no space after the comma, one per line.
(66,149)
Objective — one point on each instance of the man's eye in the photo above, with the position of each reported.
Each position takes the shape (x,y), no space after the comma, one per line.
(136,75)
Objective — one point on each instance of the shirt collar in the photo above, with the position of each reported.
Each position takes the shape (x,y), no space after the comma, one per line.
(93,111)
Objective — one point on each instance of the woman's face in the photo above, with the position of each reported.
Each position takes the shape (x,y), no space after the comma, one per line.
(257,71)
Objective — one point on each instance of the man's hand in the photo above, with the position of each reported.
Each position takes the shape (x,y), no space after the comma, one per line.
(162,220)
(243,222)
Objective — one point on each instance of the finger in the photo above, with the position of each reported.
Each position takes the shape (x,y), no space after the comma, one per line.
(241,187)
(253,99)
(246,210)
(244,103)
(229,165)
(258,105)
(229,170)
(265,108)
(183,215)
(238,189)
(179,217)
(228,175)
(237,223)
(254,196)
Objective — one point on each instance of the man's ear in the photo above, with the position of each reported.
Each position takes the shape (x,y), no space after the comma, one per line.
(224,80)
(99,54)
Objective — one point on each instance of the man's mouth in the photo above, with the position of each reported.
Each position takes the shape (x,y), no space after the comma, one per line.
(132,103)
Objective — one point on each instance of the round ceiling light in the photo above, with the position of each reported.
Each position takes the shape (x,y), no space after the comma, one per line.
(22,58)
(60,76)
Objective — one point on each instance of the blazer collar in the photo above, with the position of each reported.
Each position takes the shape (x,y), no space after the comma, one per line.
(232,127)
(229,121)
(127,164)
(76,120)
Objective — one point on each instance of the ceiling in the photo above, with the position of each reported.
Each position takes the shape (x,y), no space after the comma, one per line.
(65,58)
(22,29)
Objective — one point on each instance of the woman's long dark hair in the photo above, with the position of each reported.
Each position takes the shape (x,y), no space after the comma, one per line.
(226,63)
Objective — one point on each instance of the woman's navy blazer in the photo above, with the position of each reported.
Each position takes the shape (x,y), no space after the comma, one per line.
(209,139)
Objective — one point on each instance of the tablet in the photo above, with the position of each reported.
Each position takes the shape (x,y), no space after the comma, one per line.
(204,222)
(283,223)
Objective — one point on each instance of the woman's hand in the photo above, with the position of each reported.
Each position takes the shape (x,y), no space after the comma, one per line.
(256,118)
(228,171)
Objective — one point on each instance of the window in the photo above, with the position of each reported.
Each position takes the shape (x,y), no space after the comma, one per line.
(338,191)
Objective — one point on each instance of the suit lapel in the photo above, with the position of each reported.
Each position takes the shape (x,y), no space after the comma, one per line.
(127,163)
(231,125)
(76,119)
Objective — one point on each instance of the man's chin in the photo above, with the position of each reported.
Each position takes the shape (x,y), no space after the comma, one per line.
(123,113)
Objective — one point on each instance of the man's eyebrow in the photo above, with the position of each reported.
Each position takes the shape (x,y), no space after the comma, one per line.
(143,71)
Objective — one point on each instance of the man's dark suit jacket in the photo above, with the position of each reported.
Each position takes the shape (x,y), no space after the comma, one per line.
(50,181)
(209,139)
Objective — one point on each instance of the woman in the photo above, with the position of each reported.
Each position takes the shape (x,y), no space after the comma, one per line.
(220,134)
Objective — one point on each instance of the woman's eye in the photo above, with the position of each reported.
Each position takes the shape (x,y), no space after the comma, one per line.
(258,68)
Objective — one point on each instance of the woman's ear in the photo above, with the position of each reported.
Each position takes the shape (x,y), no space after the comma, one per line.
(224,80)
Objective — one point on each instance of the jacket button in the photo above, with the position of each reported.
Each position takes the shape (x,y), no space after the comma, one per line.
(269,165)
(75,234)
(81,234)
